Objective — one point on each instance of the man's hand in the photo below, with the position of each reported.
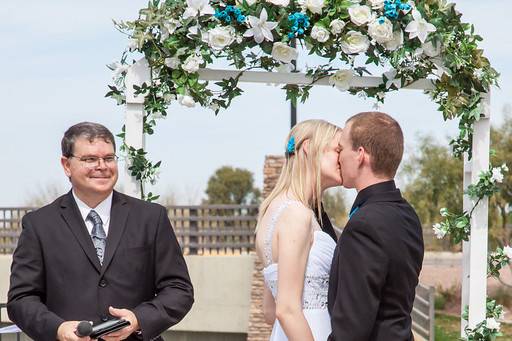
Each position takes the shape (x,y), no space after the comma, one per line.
(66,332)
(122,334)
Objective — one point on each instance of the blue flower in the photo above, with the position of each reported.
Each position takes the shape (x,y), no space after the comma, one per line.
(290,148)
(299,24)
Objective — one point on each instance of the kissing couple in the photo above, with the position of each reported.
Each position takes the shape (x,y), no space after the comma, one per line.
(362,286)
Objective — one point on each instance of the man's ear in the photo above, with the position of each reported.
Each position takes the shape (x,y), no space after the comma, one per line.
(361,155)
(64,161)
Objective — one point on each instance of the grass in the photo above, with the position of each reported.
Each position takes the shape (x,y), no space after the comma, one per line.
(448,328)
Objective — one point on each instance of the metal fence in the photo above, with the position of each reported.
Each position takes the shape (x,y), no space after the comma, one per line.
(202,229)
(423,312)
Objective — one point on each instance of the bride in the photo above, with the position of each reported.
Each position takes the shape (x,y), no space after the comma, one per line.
(289,241)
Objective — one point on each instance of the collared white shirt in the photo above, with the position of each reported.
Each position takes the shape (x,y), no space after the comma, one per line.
(103,209)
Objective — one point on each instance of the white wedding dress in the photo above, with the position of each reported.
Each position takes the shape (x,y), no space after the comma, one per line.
(316,281)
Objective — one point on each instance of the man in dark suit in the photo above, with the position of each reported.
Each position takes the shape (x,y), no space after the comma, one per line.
(379,255)
(94,254)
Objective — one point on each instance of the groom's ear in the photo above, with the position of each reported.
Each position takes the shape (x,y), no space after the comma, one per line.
(361,154)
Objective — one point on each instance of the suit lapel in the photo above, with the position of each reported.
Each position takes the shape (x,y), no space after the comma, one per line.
(118,217)
(73,218)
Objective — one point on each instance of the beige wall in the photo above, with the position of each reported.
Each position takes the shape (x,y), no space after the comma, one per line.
(222,290)
(222,286)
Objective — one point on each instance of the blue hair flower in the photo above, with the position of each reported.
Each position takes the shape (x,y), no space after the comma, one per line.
(290,148)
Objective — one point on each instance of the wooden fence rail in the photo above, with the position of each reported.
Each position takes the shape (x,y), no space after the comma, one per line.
(423,312)
(201,229)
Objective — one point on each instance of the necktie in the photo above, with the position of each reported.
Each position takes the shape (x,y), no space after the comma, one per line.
(353,211)
(98,235)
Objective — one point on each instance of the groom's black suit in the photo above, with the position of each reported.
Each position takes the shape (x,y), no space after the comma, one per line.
(56,275)
(375,268)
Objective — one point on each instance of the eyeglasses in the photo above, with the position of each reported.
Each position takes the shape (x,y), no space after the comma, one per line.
(92,161)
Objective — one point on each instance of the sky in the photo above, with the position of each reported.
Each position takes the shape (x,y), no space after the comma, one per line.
(54,55)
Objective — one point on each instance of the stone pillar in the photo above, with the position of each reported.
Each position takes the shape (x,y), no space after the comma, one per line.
(258,329)
(271,172)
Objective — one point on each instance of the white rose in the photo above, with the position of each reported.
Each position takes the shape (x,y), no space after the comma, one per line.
(507,250)
(341,79)
(354,42)
(169,97)
(172,62)
(439,231)
(497,175)
(249,2)
(396,42)
(133,45)
(320,33)
(381,30)
(192,64)
(220,37)
(430,50)
(376,4)
(504,167)
(282,3)
(186,101)
(315,6)
(337,26)
(493,324)
(284,53)
(360,15)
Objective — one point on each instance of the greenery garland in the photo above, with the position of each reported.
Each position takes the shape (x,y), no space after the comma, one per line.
(413,40)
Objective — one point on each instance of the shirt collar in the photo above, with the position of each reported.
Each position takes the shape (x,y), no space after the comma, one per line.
(103,208)
(368,192)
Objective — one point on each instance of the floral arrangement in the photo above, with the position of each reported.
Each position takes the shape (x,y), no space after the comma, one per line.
(409,40)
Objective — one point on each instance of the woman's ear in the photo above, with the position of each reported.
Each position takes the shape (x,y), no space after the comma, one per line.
(305,146)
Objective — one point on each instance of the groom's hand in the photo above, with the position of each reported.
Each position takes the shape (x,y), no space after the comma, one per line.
(122,334)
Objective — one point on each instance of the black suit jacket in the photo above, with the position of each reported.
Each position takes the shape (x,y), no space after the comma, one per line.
(375,268)
(56,275)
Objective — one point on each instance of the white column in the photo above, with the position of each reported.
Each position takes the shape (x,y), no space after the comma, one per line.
(466,247)
(137,74)
(479,222)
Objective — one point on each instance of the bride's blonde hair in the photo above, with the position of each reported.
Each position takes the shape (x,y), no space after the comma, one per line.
(301,169)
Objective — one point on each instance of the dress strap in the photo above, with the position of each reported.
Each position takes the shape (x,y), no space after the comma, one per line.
(267,246)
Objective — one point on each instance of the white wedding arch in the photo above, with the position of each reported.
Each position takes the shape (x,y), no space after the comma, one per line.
(180,38)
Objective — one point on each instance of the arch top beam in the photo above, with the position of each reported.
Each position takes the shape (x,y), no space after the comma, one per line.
(299,79)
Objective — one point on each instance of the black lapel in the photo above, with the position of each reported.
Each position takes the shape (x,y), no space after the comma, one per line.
(73,218)
(117,225)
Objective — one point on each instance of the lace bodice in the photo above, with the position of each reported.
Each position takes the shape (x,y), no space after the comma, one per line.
(316,279)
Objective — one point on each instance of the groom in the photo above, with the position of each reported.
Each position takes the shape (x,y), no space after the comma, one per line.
(378,258)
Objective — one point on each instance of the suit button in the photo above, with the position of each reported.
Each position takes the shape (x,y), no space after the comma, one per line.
(104,318)
(103,283)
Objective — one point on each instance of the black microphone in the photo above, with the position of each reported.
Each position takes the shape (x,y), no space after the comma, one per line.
(83,329)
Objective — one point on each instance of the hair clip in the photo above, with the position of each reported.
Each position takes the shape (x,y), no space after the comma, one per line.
(290,148)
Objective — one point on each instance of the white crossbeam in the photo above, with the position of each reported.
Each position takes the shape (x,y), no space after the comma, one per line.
(299,78)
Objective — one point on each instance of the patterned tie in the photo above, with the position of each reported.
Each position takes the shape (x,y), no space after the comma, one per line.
(98,235)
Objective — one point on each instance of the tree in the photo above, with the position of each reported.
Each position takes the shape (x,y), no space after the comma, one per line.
(334,205)
(230,185)
(434,180)
(500,204)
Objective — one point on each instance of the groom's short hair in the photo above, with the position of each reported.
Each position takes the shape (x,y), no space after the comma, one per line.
(381,136)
